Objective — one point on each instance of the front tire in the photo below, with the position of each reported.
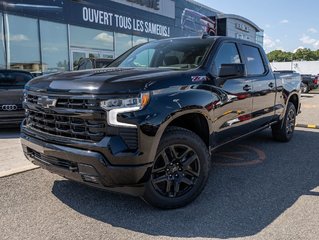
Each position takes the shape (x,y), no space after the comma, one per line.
(284,130)
(180,170)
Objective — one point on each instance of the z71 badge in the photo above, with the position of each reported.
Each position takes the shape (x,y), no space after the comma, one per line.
(199,78)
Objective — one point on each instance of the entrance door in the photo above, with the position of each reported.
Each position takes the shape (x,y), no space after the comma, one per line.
(79,53)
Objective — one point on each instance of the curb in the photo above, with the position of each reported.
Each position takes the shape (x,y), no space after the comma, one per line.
(17,170)
(308,95)
(311,126)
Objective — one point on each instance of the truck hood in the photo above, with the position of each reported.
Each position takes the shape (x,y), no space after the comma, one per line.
(101,81)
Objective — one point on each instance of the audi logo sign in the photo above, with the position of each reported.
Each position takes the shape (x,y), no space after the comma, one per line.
(9,107)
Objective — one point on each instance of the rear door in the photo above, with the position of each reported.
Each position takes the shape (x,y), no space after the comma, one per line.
(232,118)
(264,85)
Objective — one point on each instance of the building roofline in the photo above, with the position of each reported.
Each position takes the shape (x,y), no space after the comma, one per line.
(204,6)
(240,18)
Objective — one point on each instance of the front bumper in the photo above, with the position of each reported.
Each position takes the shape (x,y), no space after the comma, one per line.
(85,166)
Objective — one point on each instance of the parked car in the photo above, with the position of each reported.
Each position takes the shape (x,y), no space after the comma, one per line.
(149,123)
(310,81)
(11,96)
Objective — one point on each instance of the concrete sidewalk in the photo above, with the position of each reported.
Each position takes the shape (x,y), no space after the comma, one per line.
(309,111)
(12,160)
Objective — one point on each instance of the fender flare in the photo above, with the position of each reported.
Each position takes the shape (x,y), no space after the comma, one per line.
(288,100)
(170,118)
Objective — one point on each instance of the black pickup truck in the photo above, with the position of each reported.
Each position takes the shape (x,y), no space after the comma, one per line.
(310,82)
(149,123)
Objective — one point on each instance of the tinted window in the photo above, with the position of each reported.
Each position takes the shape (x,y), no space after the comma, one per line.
(13,79)
(255,64)
(139,40)
(54,46)
(227,54)
(123,42)
(2,56)
(90,38)
(23,46)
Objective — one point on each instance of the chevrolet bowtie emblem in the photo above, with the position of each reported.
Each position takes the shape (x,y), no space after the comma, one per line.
(46,102)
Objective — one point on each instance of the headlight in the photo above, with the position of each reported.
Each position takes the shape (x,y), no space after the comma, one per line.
(118,105)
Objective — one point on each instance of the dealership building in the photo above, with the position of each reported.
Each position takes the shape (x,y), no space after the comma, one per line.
(53,35)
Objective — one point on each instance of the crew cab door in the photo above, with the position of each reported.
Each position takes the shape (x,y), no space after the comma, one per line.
(232,118)
(264,85)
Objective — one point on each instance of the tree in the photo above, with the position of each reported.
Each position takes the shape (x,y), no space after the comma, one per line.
(303,54)
(279,56)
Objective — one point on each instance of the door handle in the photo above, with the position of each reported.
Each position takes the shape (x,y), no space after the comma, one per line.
(247,88)
(271,85)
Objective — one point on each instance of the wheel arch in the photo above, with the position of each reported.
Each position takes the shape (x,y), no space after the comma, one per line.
(195,122)
(179,120)
(294,99)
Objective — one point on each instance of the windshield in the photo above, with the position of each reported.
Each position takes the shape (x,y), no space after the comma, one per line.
(14,79)
(174,53)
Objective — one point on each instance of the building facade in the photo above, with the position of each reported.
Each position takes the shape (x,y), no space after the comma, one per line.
(53,35)
(239,27)
(302,67)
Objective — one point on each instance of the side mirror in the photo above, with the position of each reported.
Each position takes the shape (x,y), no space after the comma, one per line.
(232,70)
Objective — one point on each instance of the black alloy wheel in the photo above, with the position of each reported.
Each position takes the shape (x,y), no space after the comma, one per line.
(175,171)
(180,169)
(283,131)
(291,121)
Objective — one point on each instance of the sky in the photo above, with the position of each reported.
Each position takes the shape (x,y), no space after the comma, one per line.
(288,25)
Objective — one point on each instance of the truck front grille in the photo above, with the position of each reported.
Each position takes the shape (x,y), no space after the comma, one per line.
(78,123)
(77,103)
(72,103)
(66,126)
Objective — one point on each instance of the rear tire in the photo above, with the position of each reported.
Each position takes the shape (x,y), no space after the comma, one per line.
(283,131)
(180,170)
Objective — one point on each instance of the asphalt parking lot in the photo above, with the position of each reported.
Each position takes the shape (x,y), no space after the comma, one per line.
(258,189)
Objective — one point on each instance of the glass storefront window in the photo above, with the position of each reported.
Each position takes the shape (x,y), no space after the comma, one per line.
(23,44)
(2,56)
(54,46)
(260,38)
(123,42)
(91,38)
(139,40)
